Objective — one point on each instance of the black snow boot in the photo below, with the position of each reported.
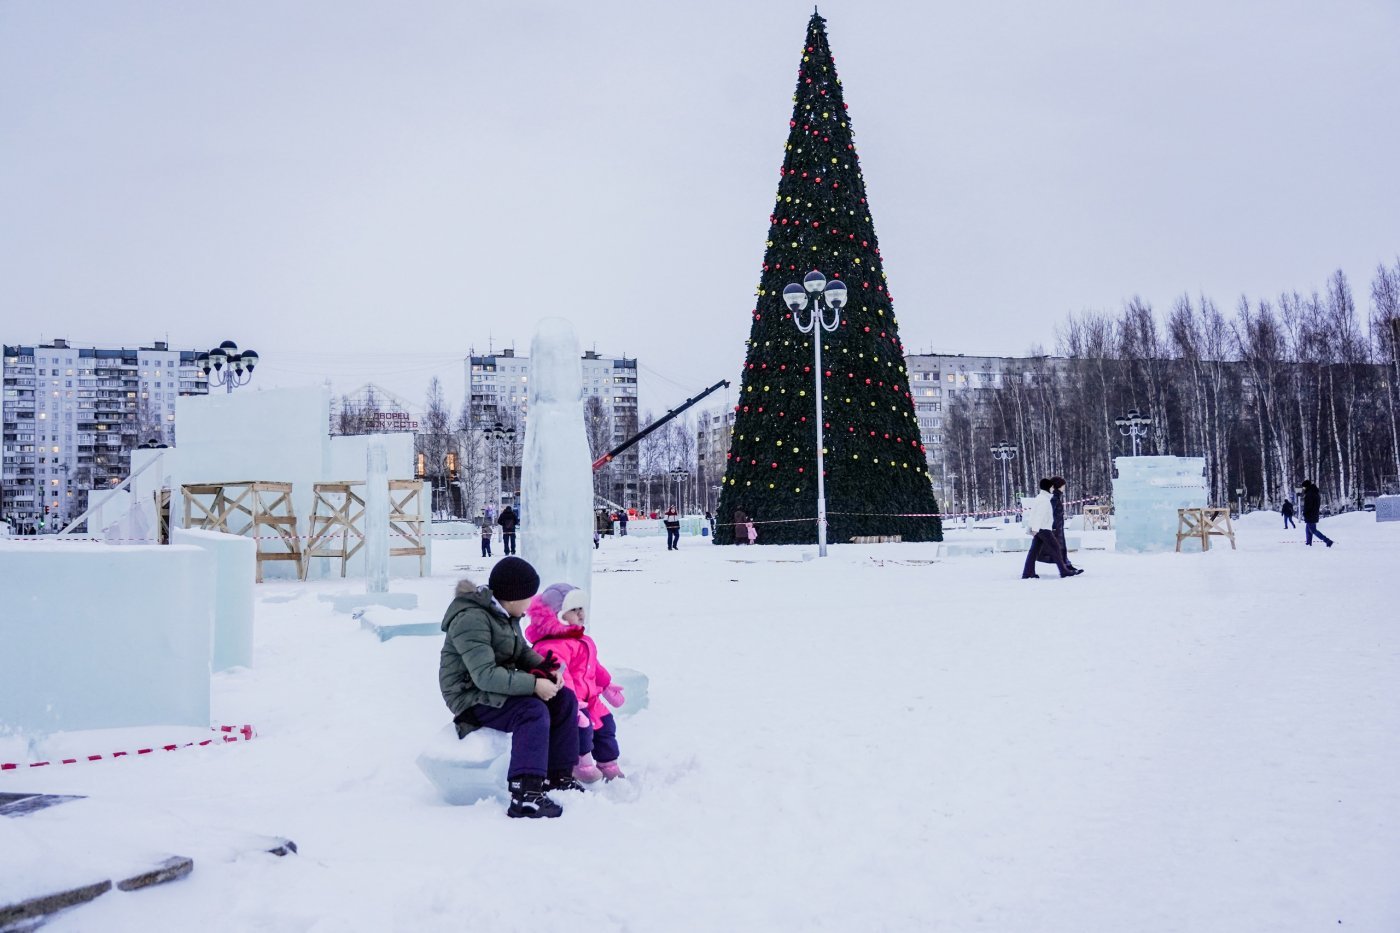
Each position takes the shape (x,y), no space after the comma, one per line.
(562,780)
(528,799)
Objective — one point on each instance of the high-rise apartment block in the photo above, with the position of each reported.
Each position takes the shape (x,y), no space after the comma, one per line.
(71,415)
(936,380)
(713,432)
(498,391)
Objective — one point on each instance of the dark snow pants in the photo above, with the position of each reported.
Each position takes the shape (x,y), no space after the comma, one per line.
(544,736)
(1311,532)
(1044,543)
(673,539)
(507,542)
(600,742)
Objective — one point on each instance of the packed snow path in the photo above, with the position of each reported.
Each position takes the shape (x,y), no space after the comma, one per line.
(1170,742)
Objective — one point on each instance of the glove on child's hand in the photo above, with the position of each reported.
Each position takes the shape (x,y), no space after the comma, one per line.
(612,695)
(548,667)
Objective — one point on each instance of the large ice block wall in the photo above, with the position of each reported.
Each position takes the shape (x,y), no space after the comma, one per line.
(95,636)
(235,570)
(1146,494)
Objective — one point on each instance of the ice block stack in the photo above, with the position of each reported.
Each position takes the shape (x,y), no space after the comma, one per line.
(1147,491)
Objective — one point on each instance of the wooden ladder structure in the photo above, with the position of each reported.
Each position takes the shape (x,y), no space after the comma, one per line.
(263,510)
(337,524)
(406,521)
(1204,523)
(1098,517)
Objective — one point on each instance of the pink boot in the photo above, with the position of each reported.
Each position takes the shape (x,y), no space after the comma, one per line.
(586,772)
(610,770)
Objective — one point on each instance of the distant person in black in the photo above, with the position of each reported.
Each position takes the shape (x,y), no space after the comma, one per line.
(1287,510)
(673,530)
(1057,506)
(1312,511)
(508,521)
(622,523)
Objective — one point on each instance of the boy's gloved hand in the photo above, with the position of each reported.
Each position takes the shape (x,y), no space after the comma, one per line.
(549,668)
(612,695)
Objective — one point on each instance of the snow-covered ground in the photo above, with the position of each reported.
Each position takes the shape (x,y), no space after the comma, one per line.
(874,741)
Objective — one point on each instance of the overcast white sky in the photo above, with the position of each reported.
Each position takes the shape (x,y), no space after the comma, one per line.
(367,190)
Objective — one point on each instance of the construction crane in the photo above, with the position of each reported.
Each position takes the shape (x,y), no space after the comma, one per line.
(606,458)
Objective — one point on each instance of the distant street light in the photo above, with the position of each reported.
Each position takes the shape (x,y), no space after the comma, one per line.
(501,438)
(1134,424)
(239,365)
(1005,453)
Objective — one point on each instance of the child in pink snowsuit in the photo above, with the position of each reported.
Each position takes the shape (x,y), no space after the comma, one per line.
(557,624)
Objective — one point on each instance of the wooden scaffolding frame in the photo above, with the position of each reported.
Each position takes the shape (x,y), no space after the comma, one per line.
(337,524)
(1204,524)
(406,521)
(1098,517)
(260,509)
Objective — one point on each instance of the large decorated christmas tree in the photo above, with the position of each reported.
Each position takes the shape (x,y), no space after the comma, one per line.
(877,480)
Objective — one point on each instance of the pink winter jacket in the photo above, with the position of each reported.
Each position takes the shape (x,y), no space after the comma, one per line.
(578,657)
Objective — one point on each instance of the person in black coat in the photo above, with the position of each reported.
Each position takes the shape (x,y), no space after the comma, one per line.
(1057,506)
(1312,511)
(508,521)
(1287,510)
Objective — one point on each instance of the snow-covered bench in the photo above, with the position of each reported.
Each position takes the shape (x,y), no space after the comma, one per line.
(474,768)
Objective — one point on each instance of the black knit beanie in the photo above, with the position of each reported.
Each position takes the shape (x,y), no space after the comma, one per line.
(513,578)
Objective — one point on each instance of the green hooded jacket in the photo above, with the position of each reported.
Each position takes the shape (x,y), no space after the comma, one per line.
(485,658)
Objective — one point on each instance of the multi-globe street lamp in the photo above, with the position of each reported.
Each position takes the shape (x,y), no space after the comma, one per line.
(1134,424)
(1005,453)
(680,475)
(501,438)
(239,365)
(824,296)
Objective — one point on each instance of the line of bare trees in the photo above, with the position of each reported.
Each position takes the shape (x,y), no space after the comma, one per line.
(1304,386)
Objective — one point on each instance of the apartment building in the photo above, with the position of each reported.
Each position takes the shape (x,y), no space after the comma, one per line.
(936,380)
(713,432)
(498,391)
(71,415)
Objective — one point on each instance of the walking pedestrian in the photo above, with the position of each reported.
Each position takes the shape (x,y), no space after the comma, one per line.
(486,530)
(1040,524)
(1312,511)
(1287,510)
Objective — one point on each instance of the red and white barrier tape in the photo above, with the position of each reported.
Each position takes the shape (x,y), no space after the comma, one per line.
(470,536)
(226,734)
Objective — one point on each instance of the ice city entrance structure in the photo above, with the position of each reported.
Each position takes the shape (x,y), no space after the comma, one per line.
(1147,491)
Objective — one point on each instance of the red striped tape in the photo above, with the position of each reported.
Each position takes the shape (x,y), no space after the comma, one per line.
(226,734)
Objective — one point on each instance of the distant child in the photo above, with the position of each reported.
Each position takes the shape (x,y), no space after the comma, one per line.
(1288,514)
(751,531)
(557,624)
(486,529)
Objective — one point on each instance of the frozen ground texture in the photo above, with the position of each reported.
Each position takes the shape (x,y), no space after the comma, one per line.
(1171,742)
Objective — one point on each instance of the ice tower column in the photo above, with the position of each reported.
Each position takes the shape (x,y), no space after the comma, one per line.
(557,471)
(376,518)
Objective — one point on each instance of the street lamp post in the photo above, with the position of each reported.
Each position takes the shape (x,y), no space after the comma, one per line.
(680,475)
(1239,501)
(953,491)
(501,437)
(1134,424)
(240,365)
(824,296)
(1005,453)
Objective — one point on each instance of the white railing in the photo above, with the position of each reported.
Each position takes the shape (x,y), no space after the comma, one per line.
(110,493)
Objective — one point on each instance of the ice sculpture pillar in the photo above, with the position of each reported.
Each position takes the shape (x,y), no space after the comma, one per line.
(557,472)
(376,518)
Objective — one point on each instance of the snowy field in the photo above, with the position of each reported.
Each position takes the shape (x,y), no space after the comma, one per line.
(880,740)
